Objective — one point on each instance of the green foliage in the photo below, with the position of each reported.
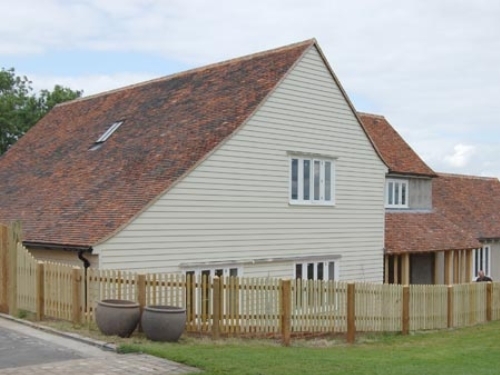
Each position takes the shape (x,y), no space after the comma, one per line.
(22,314)
(21,108)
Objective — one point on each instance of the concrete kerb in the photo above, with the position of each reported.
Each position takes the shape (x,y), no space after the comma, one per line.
(83,339)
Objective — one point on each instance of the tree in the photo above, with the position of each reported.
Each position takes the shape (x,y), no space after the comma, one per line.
(21,108)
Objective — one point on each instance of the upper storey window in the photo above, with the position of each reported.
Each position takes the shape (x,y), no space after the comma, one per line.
(311,181)
(396,193)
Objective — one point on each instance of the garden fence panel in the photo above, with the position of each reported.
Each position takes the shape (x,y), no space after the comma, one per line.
(428,307)
(58,297)
(26,279)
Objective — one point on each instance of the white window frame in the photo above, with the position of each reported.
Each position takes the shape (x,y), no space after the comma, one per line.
(213,271)
(324,195)
(482,260)
(301,301)
(394,189)
(326,268)
(199,299)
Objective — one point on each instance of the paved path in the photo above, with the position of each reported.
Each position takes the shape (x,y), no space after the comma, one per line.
(27,350)
(126,364)
(18,348)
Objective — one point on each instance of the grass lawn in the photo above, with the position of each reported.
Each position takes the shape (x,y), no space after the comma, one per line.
(468,351)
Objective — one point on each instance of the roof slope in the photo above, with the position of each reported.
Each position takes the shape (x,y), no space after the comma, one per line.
(397,154)
(423,232)
(66,194)
(471,202)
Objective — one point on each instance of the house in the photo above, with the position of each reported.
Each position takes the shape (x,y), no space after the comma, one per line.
(439,228)
(257,166)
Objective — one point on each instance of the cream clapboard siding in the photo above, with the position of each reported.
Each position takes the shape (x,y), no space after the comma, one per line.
(234,206)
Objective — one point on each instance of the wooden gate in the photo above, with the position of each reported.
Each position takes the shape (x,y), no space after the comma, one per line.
(9,237)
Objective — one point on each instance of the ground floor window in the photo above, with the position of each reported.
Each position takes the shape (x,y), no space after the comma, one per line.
(316,271)
(198,290)
(482,260)
(212,272)
(307,291)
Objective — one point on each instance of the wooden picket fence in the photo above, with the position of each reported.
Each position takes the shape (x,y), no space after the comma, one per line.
(243,307)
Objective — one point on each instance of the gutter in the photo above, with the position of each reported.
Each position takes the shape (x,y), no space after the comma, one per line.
(50,246)
(219,263)
(488,239)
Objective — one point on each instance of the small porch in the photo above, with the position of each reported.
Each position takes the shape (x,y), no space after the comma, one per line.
(433,267)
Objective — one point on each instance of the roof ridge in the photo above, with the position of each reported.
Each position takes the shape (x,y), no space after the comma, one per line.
(370,115)
(311,42)
(471,177)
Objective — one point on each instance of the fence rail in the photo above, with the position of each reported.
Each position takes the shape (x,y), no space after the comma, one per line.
(230,306)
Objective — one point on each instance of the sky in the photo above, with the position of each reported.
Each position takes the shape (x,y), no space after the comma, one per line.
(431,67)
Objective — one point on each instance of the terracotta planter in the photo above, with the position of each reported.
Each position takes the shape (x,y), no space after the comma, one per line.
(163,323)
(117,317)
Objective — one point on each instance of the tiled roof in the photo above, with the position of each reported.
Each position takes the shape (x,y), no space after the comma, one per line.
(66,194)
(423,232)
(471,202)
(397,154)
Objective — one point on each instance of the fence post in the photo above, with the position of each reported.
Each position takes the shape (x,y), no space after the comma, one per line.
(406,310)
(448,267)
(286,311)
(40,291)
(468,266)
(14,236)
(4,271)
(450,306)
(216,307)
(76,281)
(351,313)
(141,294)
(489,301)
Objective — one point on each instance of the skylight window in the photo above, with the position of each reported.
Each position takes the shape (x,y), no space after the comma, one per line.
(110,131)
(114,126)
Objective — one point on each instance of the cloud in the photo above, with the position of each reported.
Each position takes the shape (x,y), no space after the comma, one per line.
(461,155)
(449,155)
(35,27)
(92,84)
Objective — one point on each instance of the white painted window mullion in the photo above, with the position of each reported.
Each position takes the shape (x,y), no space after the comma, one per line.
(300,180)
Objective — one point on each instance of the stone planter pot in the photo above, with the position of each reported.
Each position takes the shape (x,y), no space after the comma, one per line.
(163,323)
(117,317)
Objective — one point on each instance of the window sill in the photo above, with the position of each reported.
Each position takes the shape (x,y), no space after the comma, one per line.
(311,204)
